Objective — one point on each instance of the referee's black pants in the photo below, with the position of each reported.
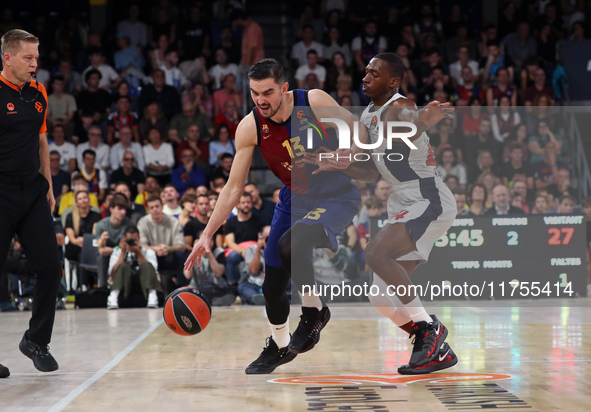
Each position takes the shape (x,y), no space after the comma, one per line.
(24,210)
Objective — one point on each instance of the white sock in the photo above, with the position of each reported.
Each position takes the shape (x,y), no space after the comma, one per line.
(389,306)
(417,312)
(312,300)
(280,334)
(114,294)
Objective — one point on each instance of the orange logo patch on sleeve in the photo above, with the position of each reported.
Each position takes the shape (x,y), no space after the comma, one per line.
(39,106)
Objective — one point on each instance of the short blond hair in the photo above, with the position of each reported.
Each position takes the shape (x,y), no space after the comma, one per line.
(11,40)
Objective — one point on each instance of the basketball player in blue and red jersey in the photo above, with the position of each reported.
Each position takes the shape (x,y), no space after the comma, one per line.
(420,210)
(313,208)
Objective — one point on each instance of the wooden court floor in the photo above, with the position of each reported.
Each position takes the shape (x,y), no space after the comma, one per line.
(512,356)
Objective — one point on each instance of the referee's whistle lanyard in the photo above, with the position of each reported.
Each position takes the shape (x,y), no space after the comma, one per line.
(20,88)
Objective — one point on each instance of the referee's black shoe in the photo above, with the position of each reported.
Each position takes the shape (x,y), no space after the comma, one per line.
(270,358)
(307,334)
(4,372)
(39,354)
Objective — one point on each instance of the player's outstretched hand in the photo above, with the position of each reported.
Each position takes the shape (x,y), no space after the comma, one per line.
(433,112)
(203,245)
(330,161)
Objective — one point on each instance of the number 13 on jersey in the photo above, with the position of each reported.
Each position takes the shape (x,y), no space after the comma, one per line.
(297,147)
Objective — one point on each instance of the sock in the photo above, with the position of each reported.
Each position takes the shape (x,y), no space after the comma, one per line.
(310,300)
(389,306)
(417,312)
(280,334)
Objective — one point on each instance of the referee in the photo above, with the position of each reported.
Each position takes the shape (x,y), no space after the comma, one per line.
(26,197)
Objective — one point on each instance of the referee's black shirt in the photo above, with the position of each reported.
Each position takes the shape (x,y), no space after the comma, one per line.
(21,123)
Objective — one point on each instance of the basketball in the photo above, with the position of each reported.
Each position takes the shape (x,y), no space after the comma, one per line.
(186,311)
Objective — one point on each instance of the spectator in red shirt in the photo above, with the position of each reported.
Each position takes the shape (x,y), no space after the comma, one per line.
(122,117)
(229,91)
(539,88)
(230,117)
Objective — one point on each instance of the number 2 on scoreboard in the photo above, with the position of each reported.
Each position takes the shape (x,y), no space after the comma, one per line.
(513,238)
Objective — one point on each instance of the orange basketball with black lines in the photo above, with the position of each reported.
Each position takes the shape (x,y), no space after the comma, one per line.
(186,311)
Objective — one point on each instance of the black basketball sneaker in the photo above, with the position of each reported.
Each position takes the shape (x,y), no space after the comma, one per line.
(307,334)
(446,358)
(270,358)
(428,338)
(4,372)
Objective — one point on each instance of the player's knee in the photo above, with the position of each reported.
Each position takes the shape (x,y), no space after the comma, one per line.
(372,253)
(284,247)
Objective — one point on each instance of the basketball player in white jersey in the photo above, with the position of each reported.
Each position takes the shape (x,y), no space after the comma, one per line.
(420,210)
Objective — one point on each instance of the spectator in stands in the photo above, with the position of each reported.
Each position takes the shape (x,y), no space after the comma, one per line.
(220,144)
(452,182)
(82,124)
(518,136)
(230,117)
(502,203)
(96,178)
(66,149)
(445,138)
(540,205)
(299,51)
(157,54)
(436,82)
(477,199)
(481,142)
(172,74)
(489,181)
(462,211)
(181,122)
(188,206)
(188,173)
(542,110)
(100,149)
(367,45)
(433,60)
(502,87)
(520,45)
(129,174)
(201,98)
(538,88)
(162,25)
(82,220)
(68,199)
(338,67)
(566,204)
(199,146)
(61,106)
(134,211)
(468,88)
(546,171)
(515,168)
(538,142)
(252,271)
(519,188)
(93,99)
(159,157)
(311,66)
(261,207)
(427,24)
(471,120)
(138,31)
(109,78)
(223,170)
(195,226)
(210,280)
(562,185)
(449,166)
(335,44)
(460,38)
(153,117)
(344,88)
(129,260)
(151,188)
(167,96)
(60,179)
(492,62)
(504,119)
(311,82)
(109,232)
(222,68)
(578,34)
(164,235)
(170,197)
(229,91)
(72,79)
(241,232)
(129,61)
(194,34)
(126,145)
(252,38)
(122,118)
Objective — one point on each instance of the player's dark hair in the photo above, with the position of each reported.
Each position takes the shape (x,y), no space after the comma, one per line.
(395,64)
(266,69)
(132,230)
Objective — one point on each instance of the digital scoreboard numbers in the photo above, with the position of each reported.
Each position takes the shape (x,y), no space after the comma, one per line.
(504,257)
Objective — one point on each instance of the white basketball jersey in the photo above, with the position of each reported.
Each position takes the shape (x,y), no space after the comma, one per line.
(398,164)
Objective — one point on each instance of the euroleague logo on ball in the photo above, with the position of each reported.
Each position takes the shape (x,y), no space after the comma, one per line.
(301,115)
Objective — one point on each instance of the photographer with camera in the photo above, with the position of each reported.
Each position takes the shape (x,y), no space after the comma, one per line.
(128,261)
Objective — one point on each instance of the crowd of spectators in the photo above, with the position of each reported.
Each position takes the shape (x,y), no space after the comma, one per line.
(143,116)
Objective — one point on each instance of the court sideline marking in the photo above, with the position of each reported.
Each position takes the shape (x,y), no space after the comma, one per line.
(65,401)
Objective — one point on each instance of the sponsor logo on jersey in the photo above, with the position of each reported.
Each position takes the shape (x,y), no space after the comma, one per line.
(39,106)
(10,107)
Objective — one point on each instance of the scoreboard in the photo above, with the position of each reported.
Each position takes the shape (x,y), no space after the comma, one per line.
(500,257)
